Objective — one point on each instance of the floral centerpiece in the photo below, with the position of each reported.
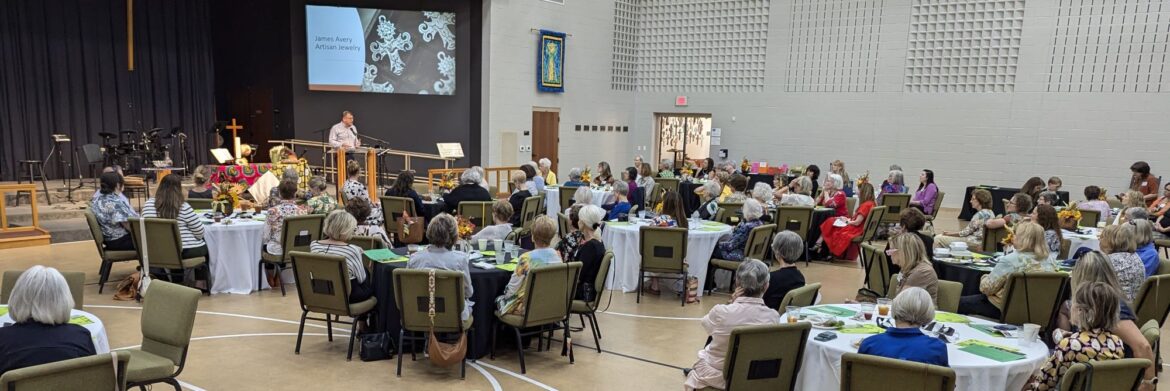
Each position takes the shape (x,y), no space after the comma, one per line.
(1011,235)
(447,182)
(465,228)
(586,176)
(1069,217)
(227,197)
(687,169)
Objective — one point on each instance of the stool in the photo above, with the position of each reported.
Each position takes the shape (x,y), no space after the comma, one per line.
(30,167)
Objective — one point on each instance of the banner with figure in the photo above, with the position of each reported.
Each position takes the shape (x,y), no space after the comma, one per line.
(550,68)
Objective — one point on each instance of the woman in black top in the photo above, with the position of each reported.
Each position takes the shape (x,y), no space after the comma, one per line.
(813,172)
(41,306)
(403,187)
(590,252)
(520,183)
(787,246)
(468,190)
(200,190)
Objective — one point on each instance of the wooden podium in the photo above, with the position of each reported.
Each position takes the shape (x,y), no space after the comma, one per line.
(371,172)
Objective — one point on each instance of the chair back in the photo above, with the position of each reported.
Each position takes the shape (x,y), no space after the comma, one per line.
(850,205)
(300,232)
(90,373)
(729,212)
(1121,374)
(803,296)
(666,184)
(938,199)
(529,211)
(550,293)
(993,238)
(872,221)
(1089,218)
(1163,266)
(948,295)
(95,230)
(765,357)
(877,269)
(861,372)
(393,208)
(1065,246)
(165,246)
(477,212)
(562,224)
(199,203)
(1033,297)
(797,219)
(565,197)
(894,203)
(168,315)
(1153,300)
(663,249)
(366,242)
(756,246)
(602,274)
(412,299)
(75,280)
(322,282)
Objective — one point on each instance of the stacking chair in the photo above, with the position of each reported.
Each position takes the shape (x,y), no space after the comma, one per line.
(872,221)
(1033,298)
(566,197)
(528,212)
(877,270)
(563,225)
(1120,374)
(98,372)
(797,219)
(367,243)
(411,297)
(1089,218)
(729,212)
(550,294)
(299,232)
(765,357)
(199,203)
(165,247)
(938,199)
(850,205)
(803,296)
(993,239)
(666,184)
(861,372)
(75,280)
(168,315)
(392,209)
(894,203)
(755,248)
(1153,300)
(1065,246)
(948,295)
(588,309)
(108,257)
(478,212)
(1163,266)
(1153,333)
(663,250)
(323,287)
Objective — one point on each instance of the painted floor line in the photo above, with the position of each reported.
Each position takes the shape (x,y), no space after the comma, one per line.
(253,317)
(518,376)
(648,316)
(491,379)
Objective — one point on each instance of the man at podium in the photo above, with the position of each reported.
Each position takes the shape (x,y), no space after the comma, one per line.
(344,134)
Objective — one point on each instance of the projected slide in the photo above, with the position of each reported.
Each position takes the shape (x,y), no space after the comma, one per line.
(387,51)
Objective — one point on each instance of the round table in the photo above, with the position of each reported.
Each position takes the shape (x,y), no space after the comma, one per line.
(97,330)
(962,272)
(233,253)
(552,198)
(623,239)
(821,368)
(1087,239)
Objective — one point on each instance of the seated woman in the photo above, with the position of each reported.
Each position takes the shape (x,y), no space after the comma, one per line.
(747,308)
(787,247)
(738,185)
(513,299)
(730,247)
(894,184)
(40,306)
(645,176)
(1031,255)
(168,204)
(924,197)
(973,233)
(707,169)
(603,175)
(1118,242)
(274,223)
(1129,199)
(1045,215)
(320,202)
(112,212)
(913,221)
(520,193)
(360,210)
(630,178)
(814,175)
(568,245)
(763,194)
(1143,237)
(838,167)
(289,174)
(336,232)
(1094,202)
(672,206)
(502,213)
(546,172)
(797,193)
(404,187)
(442,233)
(709,200)
(200,190)
(1015,208)
(833,197)
(1032,187)
(354,189)
(837,238)
(575,178)
(590,251)
(533,178)
(915,269)
(1050,198)
(1161,205)
(911,309)
(1096,311)
(666,169)
(620,206)
(469,189)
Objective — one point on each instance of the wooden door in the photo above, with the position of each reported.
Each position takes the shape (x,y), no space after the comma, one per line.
(545,136)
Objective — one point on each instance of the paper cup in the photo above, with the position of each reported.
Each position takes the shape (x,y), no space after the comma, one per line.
(497,244)
(483,244)
(1029,333)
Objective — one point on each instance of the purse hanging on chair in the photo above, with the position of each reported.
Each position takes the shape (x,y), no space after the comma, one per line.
(442,354)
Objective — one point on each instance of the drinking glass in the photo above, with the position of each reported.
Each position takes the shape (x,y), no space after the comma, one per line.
(483,244)
(883,307)
(793,313)
(867,311)
(498,244)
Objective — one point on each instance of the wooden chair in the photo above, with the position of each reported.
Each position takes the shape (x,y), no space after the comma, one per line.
(108,257)
(168,316)
(894,203)
(993,239)
(323,287)
(1033,298)
(412,298)
(663,250)
(75,280)
(588,310)
(1108,375)
(877,271)
(797,219)
(298,233)
(864,372)
(803,296)
(392,209)
(1089,218)
(550,294)
(99,372)
(165,246)
(477,212)
(765,357)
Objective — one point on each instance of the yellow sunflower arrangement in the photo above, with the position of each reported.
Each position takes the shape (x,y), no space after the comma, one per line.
(586,176)
(1069,217)
(447,182)
(466,228)
(227,196)
(864,178)
(1103,192)
(686,170)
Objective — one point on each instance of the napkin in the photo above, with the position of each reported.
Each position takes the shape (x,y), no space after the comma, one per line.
(618,223)
(383,255)
(990,351)
(947,317)
(511,267)
(833,310)
(861,329)
(80,320)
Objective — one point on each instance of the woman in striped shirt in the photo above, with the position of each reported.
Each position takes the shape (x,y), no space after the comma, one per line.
(337,230)
(168,203)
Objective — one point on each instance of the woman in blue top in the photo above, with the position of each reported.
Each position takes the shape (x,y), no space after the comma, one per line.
(731,247)
(911,309)
(1143,236)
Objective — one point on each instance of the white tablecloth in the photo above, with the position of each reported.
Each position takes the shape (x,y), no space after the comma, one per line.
(623,240)
(97,330)
(821,368)
(1088,239)
(552,199)
(234,251)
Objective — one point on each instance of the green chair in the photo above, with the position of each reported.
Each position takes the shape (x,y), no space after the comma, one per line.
(1120,374)
(877,269)
(894,203)
(1089,218)
(412,298)
(565,197)
(1163,266)
(91,373)
(75,280)
(323,287)
(165,247)
(108,257)
(550,290)
(563,225)
(168,315)
(528,212)
(863,372)
(199,203)
(367,243)
(948,295)
(666,184)
(803,296)
(1065,246)
(1033,298)
(299,232)
(663,250)
(765,357)
(796,219)
(477,212)
(729,212)
(850,205)
(392,209)
(993,239)
(870,227)
(1163,246)
(588,309)
(938,199)
(1153,300)
(1153,333)
(755,248)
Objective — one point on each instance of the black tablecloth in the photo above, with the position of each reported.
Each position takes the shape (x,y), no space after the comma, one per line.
(756,178)
(488,284)
(962,274)
(819,216)
(998,194)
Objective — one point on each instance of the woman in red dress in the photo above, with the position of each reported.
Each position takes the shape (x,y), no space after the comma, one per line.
(832,196)
(838,238)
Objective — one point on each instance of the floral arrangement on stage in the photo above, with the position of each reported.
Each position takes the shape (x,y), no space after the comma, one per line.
(447,182)
(465,228)
(745,166)
(226,196)
(586,176)
(1070,217)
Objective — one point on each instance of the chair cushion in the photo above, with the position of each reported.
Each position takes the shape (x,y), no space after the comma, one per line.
(148,366)
(510,319)
(363,307)
(121,255)
(580,307)
(193,262)
(271,258)
(724,264)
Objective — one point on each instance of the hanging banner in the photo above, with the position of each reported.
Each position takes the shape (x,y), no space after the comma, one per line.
(550,75)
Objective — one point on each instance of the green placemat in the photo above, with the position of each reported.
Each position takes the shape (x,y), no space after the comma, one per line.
(710,228)
(987,329)
(861,329)
(80,320)
(3,310)
(383,255)
(618,223)
(990,351)
(511,267)
(833,310)
(488,253)
(947,317)
(980,256)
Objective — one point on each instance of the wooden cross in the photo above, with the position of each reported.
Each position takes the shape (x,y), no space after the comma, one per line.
(235,139)
(130,35)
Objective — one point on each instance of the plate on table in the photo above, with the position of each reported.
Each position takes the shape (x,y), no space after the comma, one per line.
(474,255)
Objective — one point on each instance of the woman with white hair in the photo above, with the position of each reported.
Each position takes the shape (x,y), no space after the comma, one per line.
(575,178)
(519,194)
(574,238)
(590,251)
(482,178)
(469,189)
(787,247)
(442,233)
(895,183)
(550,176)
(535,180)
(832,196)
(335,232)
(796,193)
(746,308)
(709,196)
(911,309)
(40,305)
(762,192)
(666,169)
(731,246)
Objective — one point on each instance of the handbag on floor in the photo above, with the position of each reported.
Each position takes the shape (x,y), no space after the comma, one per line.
(128,288)
(375,346)
(442,354)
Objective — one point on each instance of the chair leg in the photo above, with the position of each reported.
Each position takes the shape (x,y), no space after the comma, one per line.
(259,277)
(401,333)
(280,269)
(520,349)
(301,331)
(104,275)
(329,326)
(174,383)
(352,334)
(638,295)
(568,344)
(493,351)
(593,315)
(463,363)
(44,185)
(593,326)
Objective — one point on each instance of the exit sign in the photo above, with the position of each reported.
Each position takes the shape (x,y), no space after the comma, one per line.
(680,100)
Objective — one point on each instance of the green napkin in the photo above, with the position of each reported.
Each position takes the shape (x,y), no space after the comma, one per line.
(990,351)
(711,228)
(383,255)
(80,320)
(979,256)
(987,329)
(488,253)
(618,223)
(510,267)
(866,328)
(835,311)
(947,317)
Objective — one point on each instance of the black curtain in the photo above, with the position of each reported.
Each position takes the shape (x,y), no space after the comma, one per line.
(63,69)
